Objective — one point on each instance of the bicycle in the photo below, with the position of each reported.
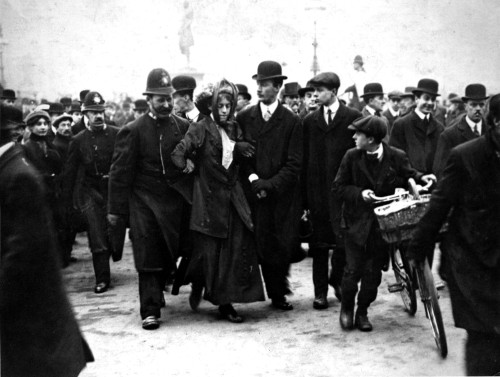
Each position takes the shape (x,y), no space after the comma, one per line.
(397,222)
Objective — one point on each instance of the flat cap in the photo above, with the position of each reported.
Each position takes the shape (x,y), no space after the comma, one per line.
(328,79)
(371,126)
(395,94)
(60,118)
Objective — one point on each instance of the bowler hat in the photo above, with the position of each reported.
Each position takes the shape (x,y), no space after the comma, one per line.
(475,92)
(10,117)
(370,125)
(328,79)
(75,107)
(243,90)
(290,89)
(408,92)
(60,118)
(307,88)
(93,102)
(358,59)
(395,94)
(8,94)
(428,86)
(33,117)
(372,89)
(183,83)
(159,82)
(55,108)
(83,94)
(269,70)
(66,101)
(452,95)
(141,104)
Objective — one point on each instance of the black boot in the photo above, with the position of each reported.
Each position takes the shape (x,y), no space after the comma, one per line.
(346,315)
(362,322)
(227,311)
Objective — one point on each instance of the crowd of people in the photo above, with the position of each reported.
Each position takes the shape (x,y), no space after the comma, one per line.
(214,189)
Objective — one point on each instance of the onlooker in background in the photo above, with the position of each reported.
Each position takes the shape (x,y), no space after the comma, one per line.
(392,111)
(244,97)
(456,111)
(66,102)
(125,115)
(14,125)
(407,104)
(80,125)
(8,97)
(140,107)
(373,96)
(310,104)
(109,113)
(290,96)
(75,112)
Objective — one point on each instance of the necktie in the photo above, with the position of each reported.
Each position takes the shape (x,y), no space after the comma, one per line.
(330,119)
(372,157)
(377,113)
(476,131)
(267,115)
(426,121)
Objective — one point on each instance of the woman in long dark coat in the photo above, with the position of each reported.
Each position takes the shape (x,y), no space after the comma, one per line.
(224,260)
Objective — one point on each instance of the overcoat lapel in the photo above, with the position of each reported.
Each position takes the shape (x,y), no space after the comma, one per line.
(257,119)
(274,121)
(465,130)
(212,129)
(339,117)
(320,119)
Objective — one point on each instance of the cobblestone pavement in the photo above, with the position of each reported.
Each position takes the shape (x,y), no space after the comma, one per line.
(302,342)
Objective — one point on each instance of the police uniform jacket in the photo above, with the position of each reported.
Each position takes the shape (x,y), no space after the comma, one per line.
(469,186)
(354,176)
(215,187)
(324,149)
(455,135)
(145,183)
(278,159)
(40,336)
(418,141)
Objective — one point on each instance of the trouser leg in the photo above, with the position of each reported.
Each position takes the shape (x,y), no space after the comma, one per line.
(320,269)
(482,355)
(102,269)
(276,279)
(353,271)
(338,262)
(150,293)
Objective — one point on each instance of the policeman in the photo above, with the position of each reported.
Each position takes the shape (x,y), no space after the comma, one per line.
(92,150)
(145,184)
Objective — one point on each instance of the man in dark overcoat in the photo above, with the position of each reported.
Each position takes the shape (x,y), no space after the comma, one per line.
(183,96)
(407,104)
(417,133)
(146,186)
(91,152)
(372,168)
(469,187)
(273,135)
(373,96)
(307,96)
(80,125)
(326,140)
(467,128)
(40,335)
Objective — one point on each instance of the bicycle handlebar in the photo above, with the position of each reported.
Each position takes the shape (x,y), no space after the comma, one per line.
(416,189)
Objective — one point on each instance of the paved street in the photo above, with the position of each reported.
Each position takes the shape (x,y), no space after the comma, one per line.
(303,342)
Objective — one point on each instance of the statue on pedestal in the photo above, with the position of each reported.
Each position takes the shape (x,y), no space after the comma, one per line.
(185,35)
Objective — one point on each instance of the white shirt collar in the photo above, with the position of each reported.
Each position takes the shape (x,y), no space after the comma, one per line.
(272,107)
(193,114)
(472,124)
(334,107)
(421,115)
(393,112)
(379,152)
(371,110)
(6,147)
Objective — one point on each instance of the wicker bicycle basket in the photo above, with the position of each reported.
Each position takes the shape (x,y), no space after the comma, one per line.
(398,219)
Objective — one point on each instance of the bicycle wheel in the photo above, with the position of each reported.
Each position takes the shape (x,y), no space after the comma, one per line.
(429,298)
(404,285)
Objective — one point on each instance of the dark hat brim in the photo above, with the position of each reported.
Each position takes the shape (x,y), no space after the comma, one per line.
(372,94)
(168,91)
(93,108)
(8,97)
(423,90)
(465,99)
(352,127)
(182,90)
(303,91)
(262,78)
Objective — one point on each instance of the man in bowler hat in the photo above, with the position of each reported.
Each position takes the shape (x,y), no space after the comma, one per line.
(306,95)
(372,168)
(8,97)
(468,189)
(373,96)
(392,111)
(290,95)
(272,163)
(184,105)
(148,188)
(244,97)
(326,140)
(467,128)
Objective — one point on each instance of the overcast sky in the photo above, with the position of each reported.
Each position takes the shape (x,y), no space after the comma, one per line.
(58,47)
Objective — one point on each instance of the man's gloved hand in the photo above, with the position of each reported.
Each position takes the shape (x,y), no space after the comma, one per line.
(245,149)
(261,185)
(113,219)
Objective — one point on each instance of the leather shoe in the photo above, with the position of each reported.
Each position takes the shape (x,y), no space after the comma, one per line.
(150,323)
(195,296)
(228,312)
(346,317)
(282,304)
(362,323)
(320,302)
(101,288)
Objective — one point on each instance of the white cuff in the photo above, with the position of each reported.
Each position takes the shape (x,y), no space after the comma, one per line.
(253,177)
